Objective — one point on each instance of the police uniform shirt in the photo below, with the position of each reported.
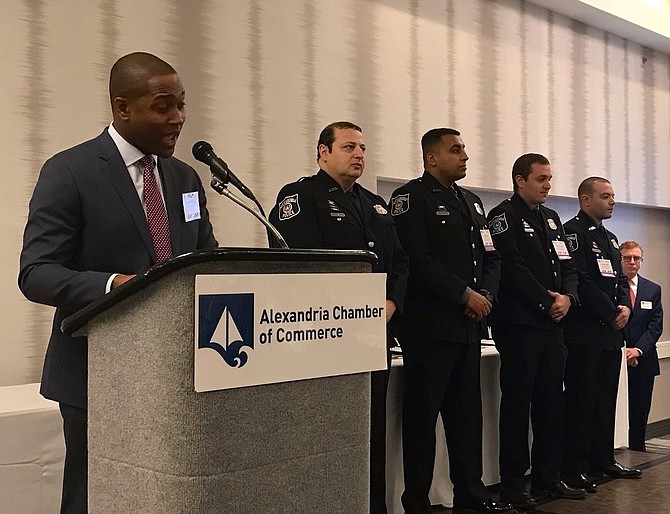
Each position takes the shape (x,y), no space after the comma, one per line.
(440,229)
(602,284)
(315,212)
(535,259)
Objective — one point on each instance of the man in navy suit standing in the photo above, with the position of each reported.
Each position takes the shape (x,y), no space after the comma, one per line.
(641,335)
(100,213)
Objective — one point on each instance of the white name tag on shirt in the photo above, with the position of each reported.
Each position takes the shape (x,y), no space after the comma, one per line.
(191,206)
(487,240)
(645,305)
(561,250)
(605,267)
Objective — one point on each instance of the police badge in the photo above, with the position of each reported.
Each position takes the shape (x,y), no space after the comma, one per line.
(379,209)
(289,207)
(552,224)
(498,224)
(399,204)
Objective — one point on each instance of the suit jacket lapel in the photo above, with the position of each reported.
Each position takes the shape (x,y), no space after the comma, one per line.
(112,165)
(642,292)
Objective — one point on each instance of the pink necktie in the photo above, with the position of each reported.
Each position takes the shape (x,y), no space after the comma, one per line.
(156,214)
(632,293)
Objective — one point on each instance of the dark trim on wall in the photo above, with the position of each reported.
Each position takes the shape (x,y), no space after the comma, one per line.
(658,428)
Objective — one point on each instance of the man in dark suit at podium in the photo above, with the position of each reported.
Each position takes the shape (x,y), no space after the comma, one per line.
(102,212)
(641,335)
(331,210)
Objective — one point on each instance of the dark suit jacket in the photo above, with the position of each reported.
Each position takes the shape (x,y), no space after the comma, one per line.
(85,223)
(530,264)
(442,237)
(314,212)
(645,326)
(591,323)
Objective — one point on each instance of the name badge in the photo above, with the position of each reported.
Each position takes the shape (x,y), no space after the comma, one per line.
(561,250)
(191,206)
(605,267)
(487,240)
(645,305)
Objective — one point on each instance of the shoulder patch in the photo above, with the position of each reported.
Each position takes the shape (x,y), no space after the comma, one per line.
(498,224)
(399,204)
(573,241)
(289,207)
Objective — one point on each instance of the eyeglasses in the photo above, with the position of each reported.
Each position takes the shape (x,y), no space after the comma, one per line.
(631,258)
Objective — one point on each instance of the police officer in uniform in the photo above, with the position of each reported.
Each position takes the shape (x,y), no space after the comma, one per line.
(330,210)
(453,279)
(538,286)
(594,338)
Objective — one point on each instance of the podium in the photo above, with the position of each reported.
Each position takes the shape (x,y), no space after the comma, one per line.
(155,445)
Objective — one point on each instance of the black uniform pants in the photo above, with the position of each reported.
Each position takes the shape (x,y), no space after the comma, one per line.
(640,389)
(591,386)
(441,378)
(75,474)
(532,363)
(378,389)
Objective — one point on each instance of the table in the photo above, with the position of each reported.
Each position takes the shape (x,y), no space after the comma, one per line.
(32,451)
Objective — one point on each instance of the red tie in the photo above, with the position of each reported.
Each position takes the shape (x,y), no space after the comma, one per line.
(632,293)
(156,214)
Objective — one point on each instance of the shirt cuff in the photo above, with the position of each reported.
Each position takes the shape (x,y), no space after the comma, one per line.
(108,287)
(466,295)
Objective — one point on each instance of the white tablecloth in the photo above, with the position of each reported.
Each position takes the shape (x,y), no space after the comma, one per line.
(31,451)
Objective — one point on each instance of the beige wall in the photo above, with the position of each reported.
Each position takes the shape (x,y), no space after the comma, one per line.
(264,77)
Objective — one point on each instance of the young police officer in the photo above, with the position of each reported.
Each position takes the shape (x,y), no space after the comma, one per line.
(594,338)
(538,285)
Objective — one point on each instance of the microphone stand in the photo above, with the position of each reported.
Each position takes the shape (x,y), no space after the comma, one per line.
(221,188)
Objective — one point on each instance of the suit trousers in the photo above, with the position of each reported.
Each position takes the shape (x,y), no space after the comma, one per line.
(532,364)
(640,389)
(591,387)
(441,378)
(75,474)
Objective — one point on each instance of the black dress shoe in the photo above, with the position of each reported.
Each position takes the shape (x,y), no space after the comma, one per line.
(517,499)
(581,482)
(487,506)
(616,470)
(558,489)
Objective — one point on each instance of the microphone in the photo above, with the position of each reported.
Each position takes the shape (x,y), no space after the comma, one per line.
(204,152)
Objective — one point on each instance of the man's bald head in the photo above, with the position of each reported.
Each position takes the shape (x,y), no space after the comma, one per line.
(131,73)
